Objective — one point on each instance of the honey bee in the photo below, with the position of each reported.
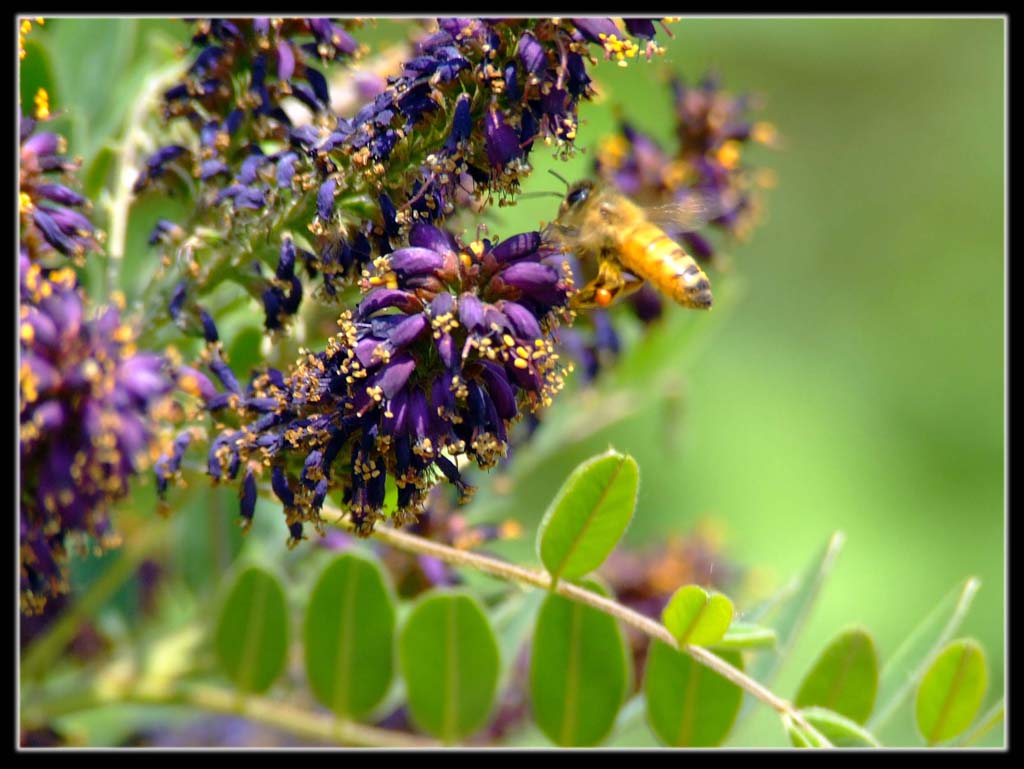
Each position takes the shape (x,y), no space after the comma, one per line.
(628,246)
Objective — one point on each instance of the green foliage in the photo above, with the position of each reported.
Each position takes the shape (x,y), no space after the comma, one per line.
(251,638)
(589,515)
(951,691)
(349,636)
(844,679)
(695,617)
(579,671)
(450,663)
(689,706)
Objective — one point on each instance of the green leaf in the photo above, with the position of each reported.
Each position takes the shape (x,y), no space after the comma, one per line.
(838,729)
(689,705)
(252,631)
(746,636)
(693,616)
(951,691)
(349,636)
(792,608)
(86,72)
(589,515)
(35,71)
(450,663)
(579,671)
(904,669)
(844,679)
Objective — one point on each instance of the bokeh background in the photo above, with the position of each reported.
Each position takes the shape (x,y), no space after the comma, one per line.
(851,376)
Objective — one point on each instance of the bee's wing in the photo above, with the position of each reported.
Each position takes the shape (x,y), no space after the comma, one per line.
(690,213)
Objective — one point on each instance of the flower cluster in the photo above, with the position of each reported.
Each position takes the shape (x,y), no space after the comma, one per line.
(452,128)
(448,347)
(86,391)
(53,225)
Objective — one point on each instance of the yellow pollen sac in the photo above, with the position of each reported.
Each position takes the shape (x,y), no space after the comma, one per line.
(466,260)
(42,102)
(477,248)
(25,203)
(729,154)
(520,363)
(764,132)
(28,332)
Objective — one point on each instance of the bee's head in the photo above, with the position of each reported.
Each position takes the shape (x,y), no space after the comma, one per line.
(576,197)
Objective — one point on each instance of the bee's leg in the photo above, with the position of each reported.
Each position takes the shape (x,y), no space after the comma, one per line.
(605,288)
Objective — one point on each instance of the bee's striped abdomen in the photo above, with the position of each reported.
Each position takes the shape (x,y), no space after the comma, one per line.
(651,253)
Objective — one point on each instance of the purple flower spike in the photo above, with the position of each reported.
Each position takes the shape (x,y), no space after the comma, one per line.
(502,140)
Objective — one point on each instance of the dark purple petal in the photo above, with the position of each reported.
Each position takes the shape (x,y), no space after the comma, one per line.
(592,29)
(524,322)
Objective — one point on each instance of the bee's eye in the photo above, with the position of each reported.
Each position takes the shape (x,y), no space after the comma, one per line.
(578,195)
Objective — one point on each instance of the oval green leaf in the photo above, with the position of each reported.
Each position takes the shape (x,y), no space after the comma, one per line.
(688,705)
(747,636)
(693,616)
(951,691)
(902,671)
(252,632)
(349,636)
(589,515)
(579,671)
(844,679)
(450,663)
(841,731)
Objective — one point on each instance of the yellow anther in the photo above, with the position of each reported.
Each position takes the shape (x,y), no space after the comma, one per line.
(729,154)
(42,102)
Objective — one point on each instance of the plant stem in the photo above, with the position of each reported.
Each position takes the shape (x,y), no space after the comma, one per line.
(215,699)
(655,630)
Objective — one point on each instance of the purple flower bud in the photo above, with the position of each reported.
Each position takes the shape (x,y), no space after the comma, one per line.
(209,327)
(502,140)
(286,262)
(212,168)
(462,125)
(247,501)
(285,60)
(415,261)
(325,199)
(592,29)
(516,247)
(224,373)
(394,375)
(58,193)
(286,169)
(524,323)
(407,331)
(427,236)
(381,298)
(532,54)
(279,483)
(319,84)
(640,27)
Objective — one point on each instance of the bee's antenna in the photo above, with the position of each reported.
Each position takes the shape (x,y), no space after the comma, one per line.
(559,177)
(558,195)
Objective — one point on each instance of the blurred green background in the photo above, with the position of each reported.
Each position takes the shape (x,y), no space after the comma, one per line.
(851,376)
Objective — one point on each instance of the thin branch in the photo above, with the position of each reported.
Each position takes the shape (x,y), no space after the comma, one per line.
(116,688)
